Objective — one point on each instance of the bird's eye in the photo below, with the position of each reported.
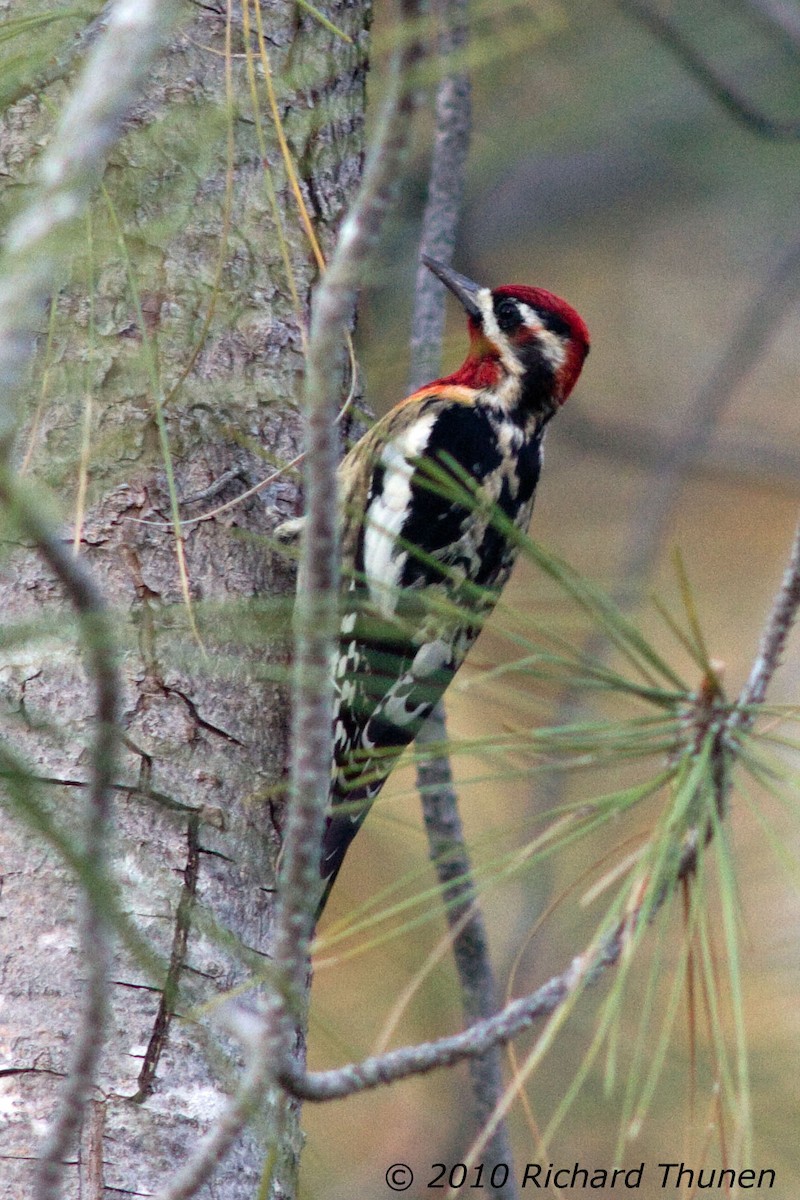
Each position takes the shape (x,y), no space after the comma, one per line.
(508,316)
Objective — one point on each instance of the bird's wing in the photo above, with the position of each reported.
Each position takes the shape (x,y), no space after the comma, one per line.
(417,545)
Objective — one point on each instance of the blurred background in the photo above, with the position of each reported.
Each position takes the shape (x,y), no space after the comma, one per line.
(603,170)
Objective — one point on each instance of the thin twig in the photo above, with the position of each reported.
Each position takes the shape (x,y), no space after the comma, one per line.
(720,89)
(453,866)
(474,1042)
(37,247)
(773,640)
(448,850)
(273,1040)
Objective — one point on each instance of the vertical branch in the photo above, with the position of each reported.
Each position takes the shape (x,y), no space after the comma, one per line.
(470,942)
(37,248)
(446,186)
(446,844)
(316,610)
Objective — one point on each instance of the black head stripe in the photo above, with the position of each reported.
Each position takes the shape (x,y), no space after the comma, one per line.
(509,318)
(555,324)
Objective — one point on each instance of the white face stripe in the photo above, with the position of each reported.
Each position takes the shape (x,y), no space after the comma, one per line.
(492,331)
(552,344)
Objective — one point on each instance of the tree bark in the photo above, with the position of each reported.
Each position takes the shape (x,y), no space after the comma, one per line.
(198,802)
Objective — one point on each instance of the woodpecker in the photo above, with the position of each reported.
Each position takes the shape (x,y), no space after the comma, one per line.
(426,500)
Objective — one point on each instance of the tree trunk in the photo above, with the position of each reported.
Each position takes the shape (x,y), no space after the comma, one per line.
(198,806)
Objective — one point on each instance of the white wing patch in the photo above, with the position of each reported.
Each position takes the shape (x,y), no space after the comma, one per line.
(383,558)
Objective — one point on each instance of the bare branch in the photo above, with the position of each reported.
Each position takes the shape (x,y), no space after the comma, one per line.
(724,92)
(451,860)
(773,639)
(473,1042)
(446,843)
(446,186)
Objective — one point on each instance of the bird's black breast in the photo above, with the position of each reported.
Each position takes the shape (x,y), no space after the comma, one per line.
(469,445)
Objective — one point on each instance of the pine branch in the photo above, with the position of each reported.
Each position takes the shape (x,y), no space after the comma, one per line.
(477,1039)
(588,967)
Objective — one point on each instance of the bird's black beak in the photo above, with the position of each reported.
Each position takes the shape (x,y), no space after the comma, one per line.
(461,287)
